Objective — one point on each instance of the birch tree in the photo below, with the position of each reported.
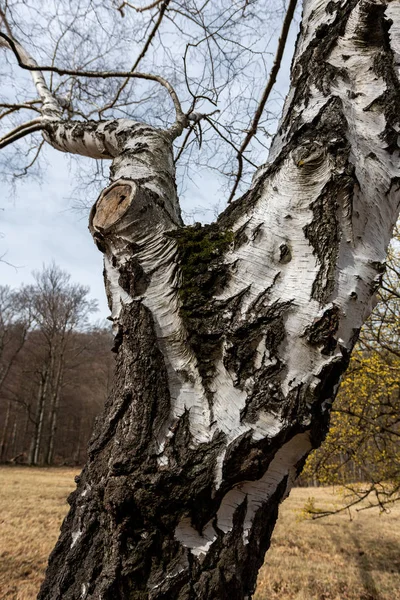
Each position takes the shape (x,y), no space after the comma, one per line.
(230,338)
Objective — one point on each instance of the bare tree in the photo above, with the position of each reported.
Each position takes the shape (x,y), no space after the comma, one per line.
(56,370)
(231,338)
(58,309)
(15,320)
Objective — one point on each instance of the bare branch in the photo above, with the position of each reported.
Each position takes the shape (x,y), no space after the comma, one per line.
(181,119)
(11,108)
(138,9)
(29,165)
(181,149)
(22,131)
(194,96)
(240,156)
(267,90)
(50,106)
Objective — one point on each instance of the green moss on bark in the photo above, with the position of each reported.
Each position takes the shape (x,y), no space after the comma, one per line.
(201,249)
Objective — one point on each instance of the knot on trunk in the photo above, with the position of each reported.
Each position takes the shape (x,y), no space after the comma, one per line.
(111,206)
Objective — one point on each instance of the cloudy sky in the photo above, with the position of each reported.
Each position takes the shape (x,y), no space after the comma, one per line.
(38,223)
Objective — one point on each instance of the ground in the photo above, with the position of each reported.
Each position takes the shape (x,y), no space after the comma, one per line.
(328,559)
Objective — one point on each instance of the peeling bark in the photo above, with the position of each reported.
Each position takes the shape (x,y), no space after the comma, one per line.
(231,339)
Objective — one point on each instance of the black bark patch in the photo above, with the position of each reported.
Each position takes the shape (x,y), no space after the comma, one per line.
(240,236)
(324,235)
(372,28)
(132,277)
(267,393)
(262,324)
(323,331)
(285,254)
(389,102)
(244,461)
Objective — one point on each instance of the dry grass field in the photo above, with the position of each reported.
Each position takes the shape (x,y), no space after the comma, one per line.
(32,506)
(328,559)
(334,558)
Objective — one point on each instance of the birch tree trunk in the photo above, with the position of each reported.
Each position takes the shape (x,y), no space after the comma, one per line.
(231,338)
(34,452)
(4,436)
(54,406)
(13,440)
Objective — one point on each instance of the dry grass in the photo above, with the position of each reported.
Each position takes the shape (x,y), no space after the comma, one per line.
(32,506)
(332,558)
(328,559)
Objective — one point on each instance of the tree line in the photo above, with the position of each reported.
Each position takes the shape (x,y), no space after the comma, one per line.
(55,370)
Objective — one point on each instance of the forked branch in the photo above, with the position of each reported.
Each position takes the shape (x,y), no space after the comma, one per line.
(181,120)
(138,9)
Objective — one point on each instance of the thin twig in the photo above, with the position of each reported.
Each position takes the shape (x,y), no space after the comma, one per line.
(181,149)
(141,55)
(228,141)
(14,107)
(34,159)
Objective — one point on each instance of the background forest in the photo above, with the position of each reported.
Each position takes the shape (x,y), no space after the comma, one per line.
(55,370)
